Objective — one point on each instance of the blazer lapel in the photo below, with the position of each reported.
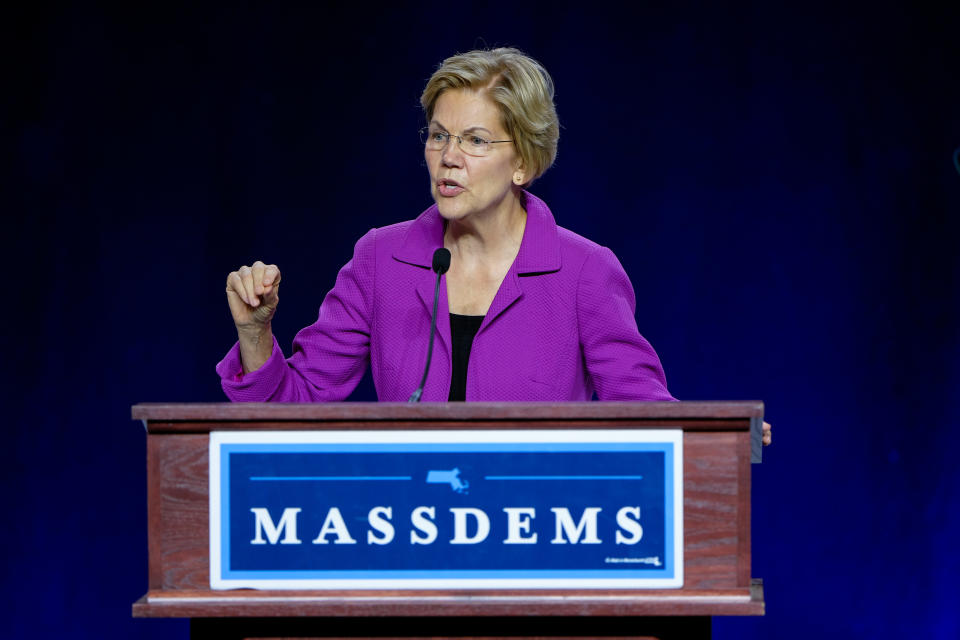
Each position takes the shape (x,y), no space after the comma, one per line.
(539,253)
(540,248)
(508,293)
(424,237)
(425,289)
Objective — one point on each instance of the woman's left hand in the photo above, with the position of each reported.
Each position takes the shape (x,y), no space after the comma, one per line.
(767,433)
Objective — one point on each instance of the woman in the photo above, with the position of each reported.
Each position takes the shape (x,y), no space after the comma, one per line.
(528,310)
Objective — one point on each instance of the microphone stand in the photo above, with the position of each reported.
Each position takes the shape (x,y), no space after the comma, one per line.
(441,262)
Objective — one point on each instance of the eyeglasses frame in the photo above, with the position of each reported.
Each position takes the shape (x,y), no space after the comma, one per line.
(425,131)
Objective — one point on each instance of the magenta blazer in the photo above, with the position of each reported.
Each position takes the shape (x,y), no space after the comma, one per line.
(560,328)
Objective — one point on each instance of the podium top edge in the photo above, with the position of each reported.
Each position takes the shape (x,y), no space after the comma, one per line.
(444,411)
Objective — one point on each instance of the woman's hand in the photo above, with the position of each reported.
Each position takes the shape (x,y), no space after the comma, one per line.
(767,433)
(253,295)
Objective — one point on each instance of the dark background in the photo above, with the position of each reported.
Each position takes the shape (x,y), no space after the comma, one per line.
(778,183)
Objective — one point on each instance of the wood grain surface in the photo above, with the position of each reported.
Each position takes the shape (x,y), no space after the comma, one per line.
(161,415)
(716,474)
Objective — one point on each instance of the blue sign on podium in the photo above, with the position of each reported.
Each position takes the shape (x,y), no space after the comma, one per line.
(536,509)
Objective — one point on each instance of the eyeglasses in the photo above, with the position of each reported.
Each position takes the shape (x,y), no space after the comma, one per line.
(470,143)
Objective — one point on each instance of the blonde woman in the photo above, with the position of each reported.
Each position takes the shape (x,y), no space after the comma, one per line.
(528,310)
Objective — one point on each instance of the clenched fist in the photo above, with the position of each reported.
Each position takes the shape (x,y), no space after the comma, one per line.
(252,293)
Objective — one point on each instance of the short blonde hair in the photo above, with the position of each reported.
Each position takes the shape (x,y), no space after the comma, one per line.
(520,88)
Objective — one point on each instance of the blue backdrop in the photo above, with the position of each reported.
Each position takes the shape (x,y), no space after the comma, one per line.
(778,183)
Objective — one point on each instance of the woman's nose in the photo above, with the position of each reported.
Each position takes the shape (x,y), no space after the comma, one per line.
(452,154)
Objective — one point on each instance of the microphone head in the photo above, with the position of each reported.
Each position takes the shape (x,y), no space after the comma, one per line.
(441,261)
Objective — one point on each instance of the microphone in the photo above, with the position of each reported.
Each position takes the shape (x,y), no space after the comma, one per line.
(441,262)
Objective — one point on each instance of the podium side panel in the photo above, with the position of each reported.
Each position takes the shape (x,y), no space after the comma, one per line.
(711,509)
(179,540)
(744,467)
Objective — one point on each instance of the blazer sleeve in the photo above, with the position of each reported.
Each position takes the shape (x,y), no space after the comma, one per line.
(329,357)
(621,363)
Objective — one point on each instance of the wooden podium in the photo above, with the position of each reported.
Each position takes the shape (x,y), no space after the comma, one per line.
(719,441)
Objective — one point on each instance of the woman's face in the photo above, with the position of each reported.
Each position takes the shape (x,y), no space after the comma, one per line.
(464,185)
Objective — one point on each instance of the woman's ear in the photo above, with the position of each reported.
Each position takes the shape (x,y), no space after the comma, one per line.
(519,175)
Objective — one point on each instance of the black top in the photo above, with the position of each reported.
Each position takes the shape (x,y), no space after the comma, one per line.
(462,331)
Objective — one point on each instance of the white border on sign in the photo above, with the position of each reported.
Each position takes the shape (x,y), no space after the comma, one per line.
(673,436)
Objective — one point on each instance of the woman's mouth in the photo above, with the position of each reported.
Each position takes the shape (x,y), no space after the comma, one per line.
(449,188)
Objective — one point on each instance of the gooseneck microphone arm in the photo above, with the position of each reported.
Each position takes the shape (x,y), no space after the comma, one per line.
(441,262)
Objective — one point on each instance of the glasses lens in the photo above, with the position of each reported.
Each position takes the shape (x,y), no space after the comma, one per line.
(433,138)
(475,145)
